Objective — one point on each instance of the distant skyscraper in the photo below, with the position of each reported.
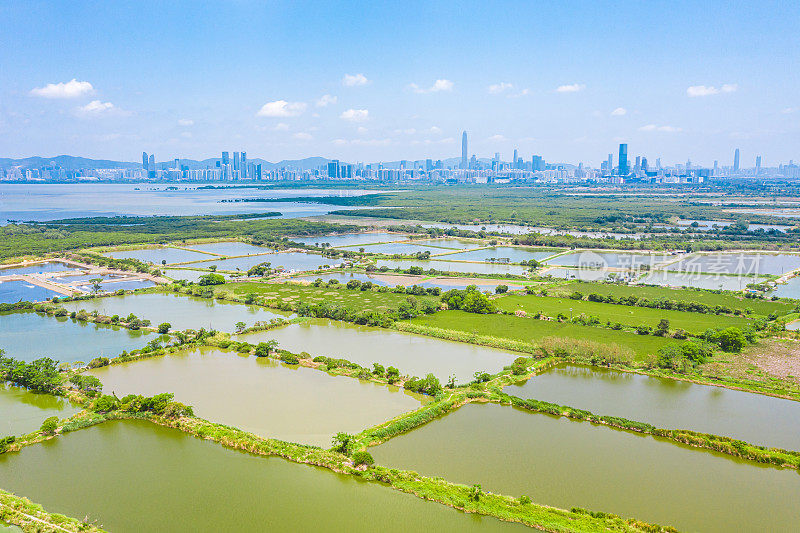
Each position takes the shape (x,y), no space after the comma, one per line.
(736,160)
(176,164)
(623,159)
(144,160)
(610,163)
(638,162)
(151,165)
(225,158)
(716,167)
(644,164)
(236,161)
(758,164)
(464,150)
(514,161)
(244,165)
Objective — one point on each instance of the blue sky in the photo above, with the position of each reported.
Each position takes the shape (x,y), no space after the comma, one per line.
(564,79)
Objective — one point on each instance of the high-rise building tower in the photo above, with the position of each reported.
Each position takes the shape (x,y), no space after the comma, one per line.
(235,160)
(610,164)
(244,166)
(144,160)
(623,159)
(736,160)
(758,164)
(514,161)
(151,163)
(464,150)
(225,158)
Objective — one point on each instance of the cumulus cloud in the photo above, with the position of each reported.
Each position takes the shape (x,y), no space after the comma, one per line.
(96,108)
(498,88)
(618,112)
(354,80)
(70,89)
(281,126)
(325,100)
(436,130)
(708,90)
(573,88)
(438,86)
(355,115)
(303,136)
(186,122)
(281,108)
(664,129)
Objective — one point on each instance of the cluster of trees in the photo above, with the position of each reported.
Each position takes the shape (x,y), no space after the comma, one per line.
(336,312)
(261,269)
(211,279)
(427,385)
(40,375)
(470,300)
(660,303)
(730,339)
(682,357)
(161,404)
(89,385)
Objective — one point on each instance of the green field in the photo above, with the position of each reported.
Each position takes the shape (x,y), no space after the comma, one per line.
(355,300)
(530,330)
(727,299)
(624,314)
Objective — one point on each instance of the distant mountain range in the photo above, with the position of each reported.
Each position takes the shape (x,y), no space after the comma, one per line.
(69,162)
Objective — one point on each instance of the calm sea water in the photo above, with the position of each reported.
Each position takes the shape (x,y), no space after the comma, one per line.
(42,202)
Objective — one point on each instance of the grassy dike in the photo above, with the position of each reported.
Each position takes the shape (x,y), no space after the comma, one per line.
(32,518)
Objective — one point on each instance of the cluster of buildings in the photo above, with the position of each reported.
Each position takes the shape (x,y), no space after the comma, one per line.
(464,170)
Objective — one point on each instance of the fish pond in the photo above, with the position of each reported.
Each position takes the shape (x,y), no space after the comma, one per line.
(24,411)
(182,483)
(668,403)
(260,395)
(568,463)
(514,254)
(182,312)
(287,260)
(229,248)
(454,266)
(738,263)
(27,335)
(413,355)
(158,255)
(17,290)
(351,239)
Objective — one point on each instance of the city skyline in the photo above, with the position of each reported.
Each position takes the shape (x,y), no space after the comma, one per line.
(267,81)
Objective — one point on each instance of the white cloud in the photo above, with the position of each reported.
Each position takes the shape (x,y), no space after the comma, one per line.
(618,112)
(409,131)
(325,100)
(339,142)
(362,130)
(790,110)
(664,129)
(355,115)
(70,89)
(438,86)
(496,138)
(186,122)
(281,126)
(708,90)
(523,92)
(281,108)
(498,88)
(573,88)
(96,108)
(353,80)
(435,130)
(186,134)
(303,136)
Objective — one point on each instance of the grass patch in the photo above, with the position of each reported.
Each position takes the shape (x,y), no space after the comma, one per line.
(531,330)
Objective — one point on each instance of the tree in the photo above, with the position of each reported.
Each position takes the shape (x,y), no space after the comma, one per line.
(96,285)
(240,326)
(263,349)
(362,458)
(662,330)
(342,442)
(50,425)
(164,328)
(501,289)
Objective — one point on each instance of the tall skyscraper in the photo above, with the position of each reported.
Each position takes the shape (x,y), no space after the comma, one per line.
(736,160)
(758,164)
(144,160)
(244,165)
(225,158)
(623,159)
(235,160)
(464,150)
(514,161)
(151,163)
(610,164)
